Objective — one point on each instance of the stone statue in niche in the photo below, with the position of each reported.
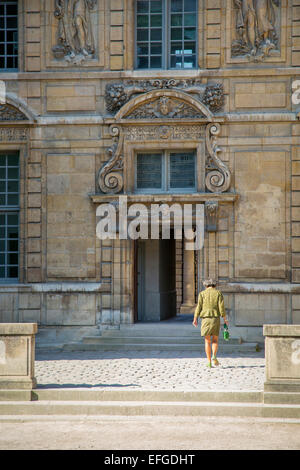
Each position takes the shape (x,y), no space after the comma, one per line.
(75,36)
(256,28)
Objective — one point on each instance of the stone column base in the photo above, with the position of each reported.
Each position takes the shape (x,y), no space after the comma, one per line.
(188,308)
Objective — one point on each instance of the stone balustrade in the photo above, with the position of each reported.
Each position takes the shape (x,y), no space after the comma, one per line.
(282,352)
(17,355)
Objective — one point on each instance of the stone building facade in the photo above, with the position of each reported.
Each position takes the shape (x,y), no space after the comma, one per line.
(93,87)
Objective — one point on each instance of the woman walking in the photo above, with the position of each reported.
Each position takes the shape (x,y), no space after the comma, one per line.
(210,308)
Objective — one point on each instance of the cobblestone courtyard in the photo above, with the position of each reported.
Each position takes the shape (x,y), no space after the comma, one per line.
(157,370)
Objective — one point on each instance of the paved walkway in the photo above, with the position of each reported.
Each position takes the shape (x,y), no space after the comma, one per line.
(153,370)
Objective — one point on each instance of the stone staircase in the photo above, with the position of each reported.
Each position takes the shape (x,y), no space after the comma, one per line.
(176,334)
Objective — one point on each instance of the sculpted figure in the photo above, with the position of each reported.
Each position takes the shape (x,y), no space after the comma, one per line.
(246,18)
(255,26)
(75,36)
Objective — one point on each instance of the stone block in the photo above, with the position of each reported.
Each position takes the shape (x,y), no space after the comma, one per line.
(34,275)
(213,16)
(33,64)
(17,355)
(116,47)
(296,275)
(34,215)
(116,18)
(282,353)
(116,33)
(33,34)
(116,62)
(34,91)
(213,61)
(33,5)
(33,19)
(258,309)
(34,230)
(34,186)
(34,245)
(116,4)
(260,95)
(34,170)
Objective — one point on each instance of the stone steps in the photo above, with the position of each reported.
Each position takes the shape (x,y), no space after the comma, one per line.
(149,408)
(149,339)
(175,335)
(45,402)
(150,346)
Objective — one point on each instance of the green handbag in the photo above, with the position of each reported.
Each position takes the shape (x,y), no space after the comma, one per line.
(226,332)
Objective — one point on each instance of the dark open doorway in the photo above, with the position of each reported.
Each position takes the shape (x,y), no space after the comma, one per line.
(155,279)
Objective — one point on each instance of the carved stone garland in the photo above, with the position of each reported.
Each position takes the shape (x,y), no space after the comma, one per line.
(110,176)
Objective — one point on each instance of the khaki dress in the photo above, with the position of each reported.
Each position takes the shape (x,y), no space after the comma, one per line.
(210,308)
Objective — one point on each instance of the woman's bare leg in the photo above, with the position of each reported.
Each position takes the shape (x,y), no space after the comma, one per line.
(215,343)
(208,348)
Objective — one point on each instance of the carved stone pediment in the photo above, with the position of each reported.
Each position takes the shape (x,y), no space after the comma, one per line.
(164,107)
(164,104)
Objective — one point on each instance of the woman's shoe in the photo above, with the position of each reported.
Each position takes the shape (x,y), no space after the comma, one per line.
(208,365)
(215,361)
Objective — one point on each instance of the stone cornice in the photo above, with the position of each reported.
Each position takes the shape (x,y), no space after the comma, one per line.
(166,198)
(234,72)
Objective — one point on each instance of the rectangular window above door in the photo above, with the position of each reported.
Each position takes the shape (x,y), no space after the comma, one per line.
(165,171)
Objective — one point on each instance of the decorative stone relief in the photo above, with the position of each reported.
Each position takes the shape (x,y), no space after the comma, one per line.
(110,176)
(257,28)
(13,134)
(146,133)
(164,107)
(218,177)
(117,94)
(75,40)
(10,113)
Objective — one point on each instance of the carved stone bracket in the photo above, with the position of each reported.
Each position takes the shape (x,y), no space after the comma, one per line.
(110,176)
(218,177)
(211,213)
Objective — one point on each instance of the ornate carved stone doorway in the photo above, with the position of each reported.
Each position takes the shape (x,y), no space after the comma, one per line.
(155,117)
